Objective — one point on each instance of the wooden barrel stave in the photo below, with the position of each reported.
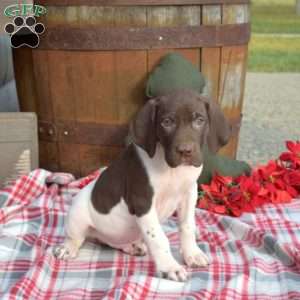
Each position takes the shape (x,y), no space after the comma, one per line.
(232,74)
(210,56)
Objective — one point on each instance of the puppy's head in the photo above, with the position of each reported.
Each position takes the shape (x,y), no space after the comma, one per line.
(182,122)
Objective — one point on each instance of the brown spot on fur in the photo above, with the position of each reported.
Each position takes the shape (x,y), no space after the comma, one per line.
(125,178)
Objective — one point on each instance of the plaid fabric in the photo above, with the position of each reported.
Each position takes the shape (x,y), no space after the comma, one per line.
(254,257)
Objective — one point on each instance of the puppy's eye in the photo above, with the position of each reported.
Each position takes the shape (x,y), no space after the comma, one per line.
(167,122)
(198,122)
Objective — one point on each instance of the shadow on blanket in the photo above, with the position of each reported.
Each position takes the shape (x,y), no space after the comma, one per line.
(256,256)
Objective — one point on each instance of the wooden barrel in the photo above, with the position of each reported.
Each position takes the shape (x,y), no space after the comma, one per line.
(87,78)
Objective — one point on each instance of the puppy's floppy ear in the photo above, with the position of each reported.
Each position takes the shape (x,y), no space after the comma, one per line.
(143,128)
(219,131)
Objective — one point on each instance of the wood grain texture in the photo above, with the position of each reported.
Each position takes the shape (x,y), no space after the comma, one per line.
(236,14)
(130,67)
(95,157)
(49,156)
(94,16)
(164,16)
(32,81)
(136,2)
(61,68)
(173,16)
(103,87)
(25,79)
(69,158)
(129,38)
(130,78)
(130,16)
(86,84)
(41,78)
(210,57)
(232,73)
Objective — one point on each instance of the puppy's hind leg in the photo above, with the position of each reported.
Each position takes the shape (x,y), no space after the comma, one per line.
(76,228)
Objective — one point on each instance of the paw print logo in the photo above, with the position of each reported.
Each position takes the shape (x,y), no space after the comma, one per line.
(24,32)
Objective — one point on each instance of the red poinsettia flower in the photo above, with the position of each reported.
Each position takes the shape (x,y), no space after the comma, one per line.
(293,156)
(292,179)
(269,172)
(219,186)
(245,193)
(214,195)
(271,180)
(210,204)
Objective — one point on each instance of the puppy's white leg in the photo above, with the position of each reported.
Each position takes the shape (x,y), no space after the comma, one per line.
(192,254)
(69,249)
(159,247)
(75,236)
(76,228)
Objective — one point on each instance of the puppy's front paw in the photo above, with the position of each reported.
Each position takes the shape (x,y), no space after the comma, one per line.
(67,250)
(175,272)
(194,257)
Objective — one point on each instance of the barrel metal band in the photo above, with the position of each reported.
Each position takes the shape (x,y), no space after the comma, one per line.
(136,2)
(97,38)
(95,134)
(83,133)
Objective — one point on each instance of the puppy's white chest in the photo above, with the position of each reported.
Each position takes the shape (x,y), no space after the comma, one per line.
(169,190)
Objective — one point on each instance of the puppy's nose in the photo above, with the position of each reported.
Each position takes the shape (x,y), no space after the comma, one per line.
(185,149)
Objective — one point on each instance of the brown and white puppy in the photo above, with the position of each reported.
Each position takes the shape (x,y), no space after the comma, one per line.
(154,177)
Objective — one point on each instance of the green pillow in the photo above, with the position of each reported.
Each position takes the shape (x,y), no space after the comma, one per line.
(222,165)
(174,72)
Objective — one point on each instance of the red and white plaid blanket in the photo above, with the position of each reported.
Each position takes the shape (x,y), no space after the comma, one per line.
(256,256)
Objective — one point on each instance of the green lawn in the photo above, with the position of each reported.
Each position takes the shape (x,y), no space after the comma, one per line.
(269,53)
(274,54)
(274,16)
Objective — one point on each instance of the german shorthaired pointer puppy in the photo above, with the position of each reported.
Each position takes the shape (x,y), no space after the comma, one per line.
(155,176)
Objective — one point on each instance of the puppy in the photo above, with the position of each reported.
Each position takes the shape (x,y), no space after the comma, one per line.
(154,177)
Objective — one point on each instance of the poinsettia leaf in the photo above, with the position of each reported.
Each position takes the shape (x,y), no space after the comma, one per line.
(279,184)
(236,212)
(248,207)
(283,197)
(258,201)
(293,178)
(291,146)
(263,192)
(292,191)
(270,187)
(205,188)
(203,202)
(225,180)
(285,156)
(220,209)
(254,188)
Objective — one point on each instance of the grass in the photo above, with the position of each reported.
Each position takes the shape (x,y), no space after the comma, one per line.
(269,53)
(274,54)
(274,16)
